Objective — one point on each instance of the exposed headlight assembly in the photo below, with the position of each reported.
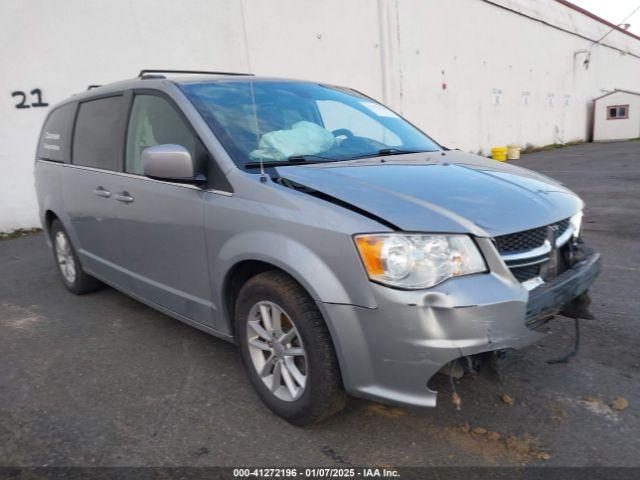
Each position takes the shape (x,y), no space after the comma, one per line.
(576,223)
(415,261)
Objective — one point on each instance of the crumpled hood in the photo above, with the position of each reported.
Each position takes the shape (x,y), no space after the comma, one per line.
(453,192)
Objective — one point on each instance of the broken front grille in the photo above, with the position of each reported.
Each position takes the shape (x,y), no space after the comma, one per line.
(522,251)
(527,239)
(523,274)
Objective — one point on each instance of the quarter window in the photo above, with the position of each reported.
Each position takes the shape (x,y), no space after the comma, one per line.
(617,112)
(56,134)
(153,122)
(97,140)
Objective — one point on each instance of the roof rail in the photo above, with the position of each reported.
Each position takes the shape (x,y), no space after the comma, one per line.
(199,72)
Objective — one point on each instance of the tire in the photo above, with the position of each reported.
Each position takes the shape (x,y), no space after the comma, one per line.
(302,329)
(73,276)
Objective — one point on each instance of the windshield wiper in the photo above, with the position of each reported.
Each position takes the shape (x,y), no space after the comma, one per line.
(310,159)
(389,151)
(292,160)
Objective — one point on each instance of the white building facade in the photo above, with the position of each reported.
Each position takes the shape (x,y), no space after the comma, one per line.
(471,73)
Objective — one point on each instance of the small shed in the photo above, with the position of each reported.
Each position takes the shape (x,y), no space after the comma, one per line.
(616,116)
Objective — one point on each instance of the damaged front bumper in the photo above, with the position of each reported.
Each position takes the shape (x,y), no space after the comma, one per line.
(564,293)
(389,354)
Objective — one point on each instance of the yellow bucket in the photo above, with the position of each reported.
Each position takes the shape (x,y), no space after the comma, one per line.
(513,151)
(499,153)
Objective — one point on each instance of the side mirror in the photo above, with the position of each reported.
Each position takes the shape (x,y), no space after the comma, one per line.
(170,162)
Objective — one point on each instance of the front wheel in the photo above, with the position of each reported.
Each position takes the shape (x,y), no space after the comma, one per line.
(287,349)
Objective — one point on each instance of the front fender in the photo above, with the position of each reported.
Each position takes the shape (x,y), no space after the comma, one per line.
(318,278)
(303,264)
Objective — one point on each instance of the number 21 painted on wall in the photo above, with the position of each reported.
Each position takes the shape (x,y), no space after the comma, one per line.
(36,94)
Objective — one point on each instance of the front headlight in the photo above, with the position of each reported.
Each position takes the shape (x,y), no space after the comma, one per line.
(576,223)
(418,261)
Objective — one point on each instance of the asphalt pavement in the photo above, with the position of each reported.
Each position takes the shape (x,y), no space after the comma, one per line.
(102,380)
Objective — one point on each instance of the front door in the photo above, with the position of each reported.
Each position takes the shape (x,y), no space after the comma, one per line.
(161,223)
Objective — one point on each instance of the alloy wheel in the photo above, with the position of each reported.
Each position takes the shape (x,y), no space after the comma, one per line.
(277,351)
(65,258)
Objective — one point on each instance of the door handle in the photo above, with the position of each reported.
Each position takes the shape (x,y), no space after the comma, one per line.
(101,192)
(124,197)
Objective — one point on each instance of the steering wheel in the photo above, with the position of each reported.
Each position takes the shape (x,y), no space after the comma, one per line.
(343,132)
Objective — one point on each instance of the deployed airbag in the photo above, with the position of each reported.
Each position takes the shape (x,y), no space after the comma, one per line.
(303,138)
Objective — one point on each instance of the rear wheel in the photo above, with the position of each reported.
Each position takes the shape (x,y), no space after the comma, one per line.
(69,268)
(287,349)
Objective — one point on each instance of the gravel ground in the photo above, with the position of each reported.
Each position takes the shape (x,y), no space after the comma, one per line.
(102,380)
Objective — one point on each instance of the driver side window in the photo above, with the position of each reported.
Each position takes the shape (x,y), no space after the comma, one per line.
(336,115)
(154,121)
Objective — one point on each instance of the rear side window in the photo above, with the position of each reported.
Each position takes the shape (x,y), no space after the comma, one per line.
(55,139)
(97,140)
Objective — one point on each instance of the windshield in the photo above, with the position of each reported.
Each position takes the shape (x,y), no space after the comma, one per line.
(280,121)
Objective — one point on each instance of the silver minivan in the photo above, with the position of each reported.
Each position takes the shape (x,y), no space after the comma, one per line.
(341,248)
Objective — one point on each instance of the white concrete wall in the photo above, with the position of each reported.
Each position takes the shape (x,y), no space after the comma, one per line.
(62,47)
(478,49)
(402,52)
(619,128)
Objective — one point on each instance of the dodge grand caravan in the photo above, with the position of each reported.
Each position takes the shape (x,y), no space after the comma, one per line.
(341,248)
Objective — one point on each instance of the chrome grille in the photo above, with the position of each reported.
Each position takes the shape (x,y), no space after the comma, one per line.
(527,239)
